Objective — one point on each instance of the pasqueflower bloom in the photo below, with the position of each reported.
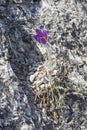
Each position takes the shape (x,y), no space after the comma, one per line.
(41,36)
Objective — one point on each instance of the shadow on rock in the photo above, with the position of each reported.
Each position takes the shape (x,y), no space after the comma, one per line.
(24,55)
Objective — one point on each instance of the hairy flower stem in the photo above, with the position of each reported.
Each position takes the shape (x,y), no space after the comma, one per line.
(48,56)
(49,67)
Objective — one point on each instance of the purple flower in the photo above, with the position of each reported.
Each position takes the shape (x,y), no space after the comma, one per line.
(41,36)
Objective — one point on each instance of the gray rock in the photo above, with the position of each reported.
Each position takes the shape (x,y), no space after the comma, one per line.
(20,56)
(17,1)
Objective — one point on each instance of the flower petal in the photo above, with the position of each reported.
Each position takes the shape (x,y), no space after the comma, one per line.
(45,34)
(39,32)
(37,38)
(41,36)
(43,41)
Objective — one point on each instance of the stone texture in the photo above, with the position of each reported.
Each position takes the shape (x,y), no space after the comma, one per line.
(25,100)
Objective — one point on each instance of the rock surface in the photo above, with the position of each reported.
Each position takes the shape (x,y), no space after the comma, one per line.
(26,103)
